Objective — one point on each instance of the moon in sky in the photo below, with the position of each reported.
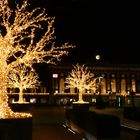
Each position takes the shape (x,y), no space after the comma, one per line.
(97,57)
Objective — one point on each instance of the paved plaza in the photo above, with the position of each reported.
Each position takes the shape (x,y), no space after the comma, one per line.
(48,124)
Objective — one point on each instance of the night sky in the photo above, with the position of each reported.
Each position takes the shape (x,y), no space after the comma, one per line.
(109,28)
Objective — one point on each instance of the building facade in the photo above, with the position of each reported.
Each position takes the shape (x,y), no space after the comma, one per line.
(118,79)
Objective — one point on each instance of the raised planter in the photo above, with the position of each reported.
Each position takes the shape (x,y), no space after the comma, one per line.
(84,106)
(100,104)
(132,113)
(16,129)
(99,126)
(20,107)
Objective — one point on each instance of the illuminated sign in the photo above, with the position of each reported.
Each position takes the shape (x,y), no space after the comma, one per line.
(55,75)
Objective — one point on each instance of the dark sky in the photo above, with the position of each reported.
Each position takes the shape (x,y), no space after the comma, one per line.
(110,28)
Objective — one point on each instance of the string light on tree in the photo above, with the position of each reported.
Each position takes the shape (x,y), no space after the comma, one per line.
(20,43)
(22,77)
(82,79)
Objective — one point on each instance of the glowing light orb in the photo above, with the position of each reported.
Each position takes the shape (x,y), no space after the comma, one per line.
(97,57)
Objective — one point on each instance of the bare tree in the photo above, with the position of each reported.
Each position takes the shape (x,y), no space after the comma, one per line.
(26,36)
(82,79)
(23,77)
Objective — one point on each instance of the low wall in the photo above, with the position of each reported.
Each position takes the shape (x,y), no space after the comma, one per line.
(101,126)
(16,129)
(132,113)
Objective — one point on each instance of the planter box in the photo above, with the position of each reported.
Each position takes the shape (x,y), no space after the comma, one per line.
(97,125)
(80,106)
(20,107)
(132,113)
(16,129)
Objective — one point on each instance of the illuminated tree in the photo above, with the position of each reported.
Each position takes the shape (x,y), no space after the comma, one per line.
(82,79)
(26,37)
(22,77)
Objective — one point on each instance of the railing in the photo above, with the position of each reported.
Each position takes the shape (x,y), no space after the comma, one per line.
(33,98)
(67,98)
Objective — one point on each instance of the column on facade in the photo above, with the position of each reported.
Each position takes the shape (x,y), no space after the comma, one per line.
(33,90)
(133,83)
(72,90)
(103,86)
(118,85)
(123,86)
(108,83)
(43,89)
(61,85)
(128,83)
(113,83)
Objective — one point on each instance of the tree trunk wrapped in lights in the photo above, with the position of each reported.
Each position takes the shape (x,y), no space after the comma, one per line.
(82,79)
(26,37)
(22,77)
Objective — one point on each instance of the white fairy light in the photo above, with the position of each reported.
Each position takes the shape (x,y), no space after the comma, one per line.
(82,79)
(22,77)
